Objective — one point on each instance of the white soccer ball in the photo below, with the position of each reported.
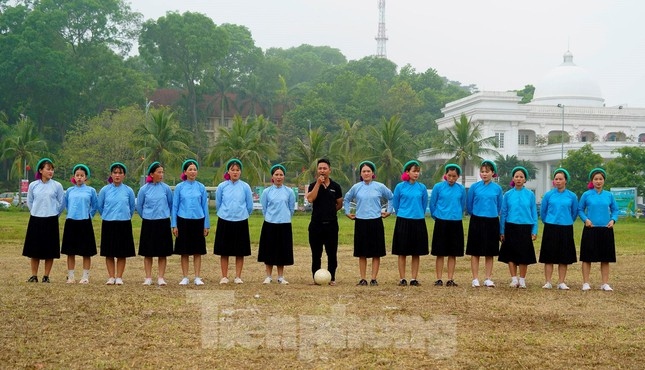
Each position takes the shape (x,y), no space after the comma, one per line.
(322,277)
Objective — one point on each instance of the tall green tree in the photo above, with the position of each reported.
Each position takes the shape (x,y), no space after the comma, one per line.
(578,163)
(305,153)
(23,147)
(186,45)
(465,144)
(252,142)
(392,147)
(161,139)
(350,144)
(506,164)
(627,170)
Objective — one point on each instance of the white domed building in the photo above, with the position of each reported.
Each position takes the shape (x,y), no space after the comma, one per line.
(567,102)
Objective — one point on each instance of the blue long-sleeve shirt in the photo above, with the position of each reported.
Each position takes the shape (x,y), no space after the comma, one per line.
(278,204)
(559,208)
(154,201)
(234,200)
(81,202)
(484,200)
(368,199)
(190,201)
(45,199)
(448,202)
(116,203)
(600,208)
(518,207)
(410,200)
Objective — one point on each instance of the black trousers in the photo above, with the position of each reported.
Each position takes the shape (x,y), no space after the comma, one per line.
(324,234)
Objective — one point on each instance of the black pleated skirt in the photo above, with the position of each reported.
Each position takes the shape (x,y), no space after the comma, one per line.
(558,245)
(116,239)
(232,238)
(483,236)
(156,238)
(517,246)
(448,238)
(410,237)
(597,245)
(43,238)
(369,238)
(190,238)
(276,244)
(78,238)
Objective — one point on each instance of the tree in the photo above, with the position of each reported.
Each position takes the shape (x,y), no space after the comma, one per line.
(186,45)
(22,148)
(506,164)
(627,169)
(305,153)
(526,93)
(464,142)
(349,144)
(252,142)
(391,148)
(161,139)
(578,163)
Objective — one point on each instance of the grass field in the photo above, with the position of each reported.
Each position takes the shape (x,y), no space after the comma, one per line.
(56,326)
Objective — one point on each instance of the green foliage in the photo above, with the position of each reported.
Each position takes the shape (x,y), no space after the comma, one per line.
(578,163)
(526,93)
(304,154)
(23,147)
(627,169)
(390,148)
(506,164)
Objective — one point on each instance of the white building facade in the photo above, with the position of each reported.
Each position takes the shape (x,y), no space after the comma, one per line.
(567,103)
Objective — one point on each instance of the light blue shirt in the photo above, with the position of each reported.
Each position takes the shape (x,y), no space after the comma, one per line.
(448,202)
(45,199)
(559,208)
(81,202)
(190,201)
(368,199)
(116,203)
(484,200)
(600,208)
(278,204)
(410,200)
(234,200)
(518,207)
(154,201)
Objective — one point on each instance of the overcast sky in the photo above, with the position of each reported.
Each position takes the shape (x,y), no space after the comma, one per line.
(495,44)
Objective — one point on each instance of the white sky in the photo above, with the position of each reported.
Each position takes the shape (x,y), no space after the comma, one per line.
(495,44)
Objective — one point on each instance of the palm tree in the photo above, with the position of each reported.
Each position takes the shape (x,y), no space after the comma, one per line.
(305,153)
(252,142)
(506,164)
(392,148)
(161,139)
(349,143)
(464,142)
(22,148)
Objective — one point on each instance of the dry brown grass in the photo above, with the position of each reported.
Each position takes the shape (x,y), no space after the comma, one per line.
(304,326)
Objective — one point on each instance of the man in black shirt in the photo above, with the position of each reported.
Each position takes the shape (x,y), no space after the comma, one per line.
(326,198)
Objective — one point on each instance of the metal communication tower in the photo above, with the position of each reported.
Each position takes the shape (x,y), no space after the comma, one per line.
(380,37)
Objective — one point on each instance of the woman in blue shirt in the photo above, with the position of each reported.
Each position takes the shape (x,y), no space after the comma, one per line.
(276,238)
(190,221)
(78,235)
(234,202)
(410,231)
(45,200)
(599,211)
(484,203)
(154,202)
(518,227)
(369,233)
(559,211)
(116,206)
(447,206)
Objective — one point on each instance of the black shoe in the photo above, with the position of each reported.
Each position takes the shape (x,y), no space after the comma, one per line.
(414,282)
(404,282)
(362,282)
(373,282)
(45,279)
(438,283)
(33,279)
(451,283)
